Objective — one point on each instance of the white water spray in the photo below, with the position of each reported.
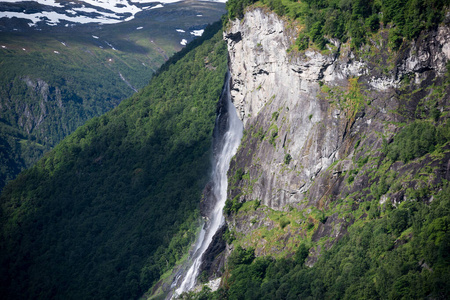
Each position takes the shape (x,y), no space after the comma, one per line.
(229,145)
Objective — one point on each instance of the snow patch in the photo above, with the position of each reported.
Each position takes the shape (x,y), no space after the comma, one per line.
(44,2)
(139,28)
(112,47)
(183,42)
(157,6)
(153,1)
(197,32)
(180,30)
(100,11)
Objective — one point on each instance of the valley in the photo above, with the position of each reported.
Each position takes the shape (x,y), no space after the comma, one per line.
(54,77)
(337,189)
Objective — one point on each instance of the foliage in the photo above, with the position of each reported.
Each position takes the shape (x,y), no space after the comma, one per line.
(354,100)
(353,19)
(417,139)
(237,176)
(302,42)
(232,206)
(241,256)
(301,254)
(403,254)
(114,205)
(236,8)
(362,161)
(287,159)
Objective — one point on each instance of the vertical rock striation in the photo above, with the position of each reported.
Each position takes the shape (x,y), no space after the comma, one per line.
(305,113)
(277,92)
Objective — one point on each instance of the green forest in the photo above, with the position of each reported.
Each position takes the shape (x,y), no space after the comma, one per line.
(352,19)
(376,260)
(115,204)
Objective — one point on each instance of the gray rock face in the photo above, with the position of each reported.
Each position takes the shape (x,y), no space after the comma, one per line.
(275,89)
(427,54)
(303,112)
(32,117)
(433,54)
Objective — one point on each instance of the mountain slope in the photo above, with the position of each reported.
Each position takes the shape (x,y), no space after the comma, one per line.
(340,186)
(338,190)
(99,216)
(54,78)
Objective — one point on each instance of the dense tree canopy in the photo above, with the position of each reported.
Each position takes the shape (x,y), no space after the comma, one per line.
(353,19)
(377,260)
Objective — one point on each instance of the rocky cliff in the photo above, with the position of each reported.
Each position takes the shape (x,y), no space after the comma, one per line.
(317,126)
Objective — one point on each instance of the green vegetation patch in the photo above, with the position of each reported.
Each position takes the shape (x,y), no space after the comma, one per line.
(352,20)
(402,254)
(417,139)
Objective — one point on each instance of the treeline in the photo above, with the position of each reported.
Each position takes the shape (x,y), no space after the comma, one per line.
(353,19)
(115,204)
(404,254)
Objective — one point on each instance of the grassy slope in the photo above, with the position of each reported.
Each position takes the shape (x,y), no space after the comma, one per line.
(98,216)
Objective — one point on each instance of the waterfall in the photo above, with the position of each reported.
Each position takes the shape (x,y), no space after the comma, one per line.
(228,144)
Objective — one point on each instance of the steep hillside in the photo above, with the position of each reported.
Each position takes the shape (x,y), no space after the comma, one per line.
(339,189)
(55,78)
(340,185)
(115,204)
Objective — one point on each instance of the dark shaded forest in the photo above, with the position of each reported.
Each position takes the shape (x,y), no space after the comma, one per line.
(115,204)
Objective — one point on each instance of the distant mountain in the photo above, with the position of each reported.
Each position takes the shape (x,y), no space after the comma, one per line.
(68,13)
(57,72)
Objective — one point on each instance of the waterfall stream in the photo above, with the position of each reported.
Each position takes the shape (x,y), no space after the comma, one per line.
(229,144)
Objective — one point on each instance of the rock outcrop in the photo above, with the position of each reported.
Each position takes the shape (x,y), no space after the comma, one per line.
(311,116)
(278,92)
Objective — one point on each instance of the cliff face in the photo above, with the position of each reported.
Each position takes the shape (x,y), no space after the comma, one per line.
(314,121)
(277,93)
